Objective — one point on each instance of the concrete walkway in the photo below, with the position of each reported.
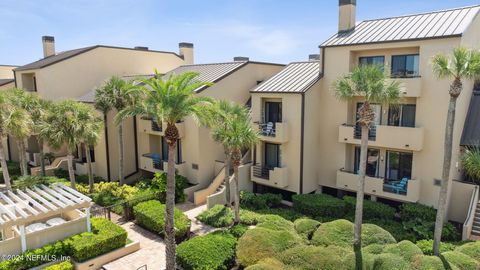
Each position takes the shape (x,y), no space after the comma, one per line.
(152,247)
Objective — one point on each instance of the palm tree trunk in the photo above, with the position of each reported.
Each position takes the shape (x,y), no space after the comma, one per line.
(22,157)
(121,152)
(170,247)
(236,160)
(3,162)
(71,172)
(357,244)
(447,161)
(227,178)
(90,169)
(42,157)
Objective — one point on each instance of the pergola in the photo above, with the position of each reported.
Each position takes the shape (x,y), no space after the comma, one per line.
(41,202)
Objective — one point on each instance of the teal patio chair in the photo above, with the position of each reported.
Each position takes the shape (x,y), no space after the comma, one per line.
(400,187)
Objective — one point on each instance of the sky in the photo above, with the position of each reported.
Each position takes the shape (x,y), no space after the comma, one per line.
(279,31)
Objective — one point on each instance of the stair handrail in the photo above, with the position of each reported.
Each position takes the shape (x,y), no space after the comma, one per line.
(468,224)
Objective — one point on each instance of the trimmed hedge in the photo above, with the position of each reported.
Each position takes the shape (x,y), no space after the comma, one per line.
(259,201)
(306,227)
(388,261)
(65,265)
(471,249)
(217,216)
(151,216)
(412,211)
(13,169)
(405,249)
(319,205)
(371,209)
(313,258)
(267,264)
(214,251)
(426,246)
(429,263)
(49,252)
(461,260)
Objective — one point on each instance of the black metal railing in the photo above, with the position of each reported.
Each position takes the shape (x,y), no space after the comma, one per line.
(372,133)
(157,164)
(261,172)
(156,126)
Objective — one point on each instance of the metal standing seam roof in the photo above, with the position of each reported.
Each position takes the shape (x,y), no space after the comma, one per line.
(297,77)
(438,24)
(471,128)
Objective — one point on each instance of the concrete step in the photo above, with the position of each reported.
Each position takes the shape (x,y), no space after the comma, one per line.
(476,232)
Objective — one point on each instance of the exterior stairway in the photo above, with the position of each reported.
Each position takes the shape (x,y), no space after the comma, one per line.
(476,222)
(59,162)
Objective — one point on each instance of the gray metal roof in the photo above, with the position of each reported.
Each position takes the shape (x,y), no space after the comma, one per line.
(208,72)
(6,81)
(471,128)
(297,77)
(438,24)
(88,97)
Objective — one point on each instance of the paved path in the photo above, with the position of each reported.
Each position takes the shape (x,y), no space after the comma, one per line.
(152,248)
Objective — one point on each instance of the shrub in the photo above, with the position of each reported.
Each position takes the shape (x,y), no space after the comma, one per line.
(217,216)
(424,229)
(248,217)
(319,205)
(426,246)
(371,209)
(404,249)
(276,223)
(311,257)
(27,181)
(461,260)
(413,211)
(13,169)
(286,213)
(373,234)
(214,251)
(65,265)
(267,264)
(259,201)
(159,184)
(374,249)
(105,237)
(261,243)
(471,249)
(61,173)
(428,263)
(387,261)
(306,227)
(395,229)
(238,230)
(24,261)
(151,216)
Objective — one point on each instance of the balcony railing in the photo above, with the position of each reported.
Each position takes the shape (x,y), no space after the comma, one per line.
(275,177)
(261,172)
(372,132)
(273,132)
(156,126)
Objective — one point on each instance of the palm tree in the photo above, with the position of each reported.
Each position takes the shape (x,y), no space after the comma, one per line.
(471,163)
(464,64)
(20,129)
(66,123)
(370,82)
(219,115)
(237,135)
(116,95)
(90,135)
(170,101)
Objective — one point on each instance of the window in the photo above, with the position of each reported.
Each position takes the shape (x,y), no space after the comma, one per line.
(399,165)
(273,112)
(404,66)
(373,156)
(272,155)
(402,115)
(377,108)
(165,150)
(372,60)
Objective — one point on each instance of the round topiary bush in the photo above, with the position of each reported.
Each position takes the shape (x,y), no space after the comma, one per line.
(405,249)
(267,264)
(428,263)
(338,233)
(306,227)
(261,243)
(312,257)
(461,260)
(388,261)
(373,234)
(373,249)
(151,216)
(217,216)
(274,222)
(214,251)
(471,249)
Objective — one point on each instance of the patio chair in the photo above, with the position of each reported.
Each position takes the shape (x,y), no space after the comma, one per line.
(268,129)
(400,187)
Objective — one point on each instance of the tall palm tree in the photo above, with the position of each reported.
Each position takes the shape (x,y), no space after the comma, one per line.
(237,135)
(218,119)
(91,133)
(464,64)
(115,94)
(66,124)
(170,101)
(20,129)
(370,82)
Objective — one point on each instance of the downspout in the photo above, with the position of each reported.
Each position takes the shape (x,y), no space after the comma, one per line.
(107,149)
(302,142)
(135,140)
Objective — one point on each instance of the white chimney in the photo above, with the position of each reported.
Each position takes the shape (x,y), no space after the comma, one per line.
(48,43)
(347,17)
(186,51)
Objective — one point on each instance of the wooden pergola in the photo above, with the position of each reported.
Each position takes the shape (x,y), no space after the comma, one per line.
(37,203)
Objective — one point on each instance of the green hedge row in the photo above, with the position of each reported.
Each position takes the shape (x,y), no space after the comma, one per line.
(105,237)
(251,200)
(151,216)
(319,205)
(65,265)
(13,170)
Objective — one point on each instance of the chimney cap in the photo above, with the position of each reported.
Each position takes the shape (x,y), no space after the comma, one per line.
(48,38)
(141,48)
(314,57)
(240,58)
(185,45)
(347,2)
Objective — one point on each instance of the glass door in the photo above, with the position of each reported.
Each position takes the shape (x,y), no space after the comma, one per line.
(273,112)
(272,155)
(373,155)
(399,165)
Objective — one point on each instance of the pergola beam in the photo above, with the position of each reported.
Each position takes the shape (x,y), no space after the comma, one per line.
(58,195)
(52,199)
(32,201)
(22,202)
(74,192)
(40,198)
(9,201)
(66,194)
(7,211)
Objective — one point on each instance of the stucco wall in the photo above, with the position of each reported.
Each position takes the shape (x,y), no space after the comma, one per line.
(6,71)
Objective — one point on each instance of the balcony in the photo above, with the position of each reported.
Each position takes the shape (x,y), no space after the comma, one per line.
(379,187)
(273,132)
(402,138)
(410,87)
(153,163)
(276,177)
(151,126)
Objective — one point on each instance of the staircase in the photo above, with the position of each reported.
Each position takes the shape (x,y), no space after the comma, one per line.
(471,227)
(476,222)
(59,162)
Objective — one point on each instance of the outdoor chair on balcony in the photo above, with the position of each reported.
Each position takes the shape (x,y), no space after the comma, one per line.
(398,188)
(268,129)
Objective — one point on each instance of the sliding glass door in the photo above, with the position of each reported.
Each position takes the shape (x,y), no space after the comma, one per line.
(402,115)
(165,150)
(273,112)
(272,155)
(399,165)
(373,156)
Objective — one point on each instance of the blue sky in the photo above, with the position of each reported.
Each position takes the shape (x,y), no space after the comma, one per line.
(264,30)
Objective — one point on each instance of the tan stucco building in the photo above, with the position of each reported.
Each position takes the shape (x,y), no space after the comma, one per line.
(313,144)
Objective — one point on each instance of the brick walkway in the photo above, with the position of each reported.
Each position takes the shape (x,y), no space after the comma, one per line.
(152,251)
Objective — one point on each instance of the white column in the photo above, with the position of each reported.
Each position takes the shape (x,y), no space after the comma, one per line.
(89,225)
(23,238)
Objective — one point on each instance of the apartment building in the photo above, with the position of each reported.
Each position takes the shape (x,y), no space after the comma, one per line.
(310,138)
(199,158)
(73,74)
(6,77)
